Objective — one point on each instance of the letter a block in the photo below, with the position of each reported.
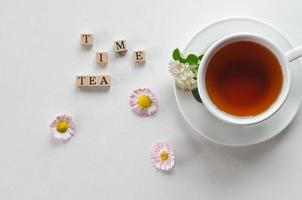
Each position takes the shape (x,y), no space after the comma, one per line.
(86,39)
(120,46)
(93,81)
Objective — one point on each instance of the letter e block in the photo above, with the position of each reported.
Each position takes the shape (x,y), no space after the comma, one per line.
(139,56)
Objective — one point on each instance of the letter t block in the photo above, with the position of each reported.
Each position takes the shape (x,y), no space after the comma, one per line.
(87,39)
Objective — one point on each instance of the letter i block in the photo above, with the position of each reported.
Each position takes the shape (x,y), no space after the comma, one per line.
(86,39)
(120,46)
(102,57)
(139,56)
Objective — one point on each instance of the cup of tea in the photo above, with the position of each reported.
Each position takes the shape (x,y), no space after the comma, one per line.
(244,78)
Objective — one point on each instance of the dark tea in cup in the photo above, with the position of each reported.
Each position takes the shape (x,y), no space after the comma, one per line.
(243,78)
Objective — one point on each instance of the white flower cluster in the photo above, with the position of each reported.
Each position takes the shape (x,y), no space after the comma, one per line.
(184,77)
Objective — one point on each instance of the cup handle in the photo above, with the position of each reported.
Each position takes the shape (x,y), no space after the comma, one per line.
(293,54)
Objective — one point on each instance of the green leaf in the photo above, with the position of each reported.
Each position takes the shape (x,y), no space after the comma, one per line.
(192,59)
(200,57)
(177,56)
(196,95)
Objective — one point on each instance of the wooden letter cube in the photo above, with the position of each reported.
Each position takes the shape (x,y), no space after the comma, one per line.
(87,39)
(120,46)
(93,80)
(81,81)
(102,57)
(139,56)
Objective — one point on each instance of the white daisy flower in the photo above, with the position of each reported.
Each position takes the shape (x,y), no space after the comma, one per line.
(143,102)
(162,156)
(62,128)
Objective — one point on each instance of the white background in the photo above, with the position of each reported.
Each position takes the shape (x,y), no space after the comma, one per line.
(40,55)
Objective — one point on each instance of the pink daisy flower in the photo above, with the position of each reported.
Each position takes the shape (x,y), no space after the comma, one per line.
(144,102)
(162,156)
(62,128)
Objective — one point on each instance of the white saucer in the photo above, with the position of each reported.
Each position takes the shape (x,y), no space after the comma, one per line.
(233,135)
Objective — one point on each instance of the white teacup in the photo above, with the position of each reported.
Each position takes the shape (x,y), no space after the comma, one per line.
(283,57)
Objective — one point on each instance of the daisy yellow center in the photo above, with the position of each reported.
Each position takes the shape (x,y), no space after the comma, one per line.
(164,155)
(144,101)
(62,126)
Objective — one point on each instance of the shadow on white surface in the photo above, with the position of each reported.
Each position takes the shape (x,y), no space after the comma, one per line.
(220,164)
